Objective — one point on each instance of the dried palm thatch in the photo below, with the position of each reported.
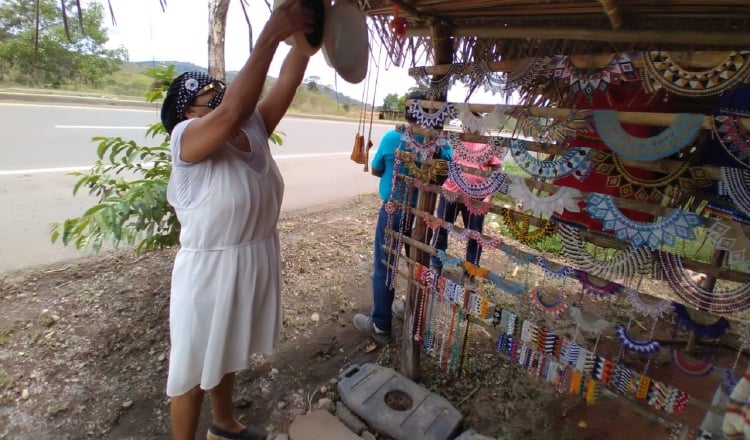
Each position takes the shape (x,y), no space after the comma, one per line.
(492,30)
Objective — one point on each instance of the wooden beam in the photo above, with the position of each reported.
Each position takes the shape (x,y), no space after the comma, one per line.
(702,60)
(692,38)
(643,118)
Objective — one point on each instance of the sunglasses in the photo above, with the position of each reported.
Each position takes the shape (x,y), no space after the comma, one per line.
(217,86)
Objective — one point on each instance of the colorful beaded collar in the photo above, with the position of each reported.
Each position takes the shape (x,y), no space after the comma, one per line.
(620,69)
(661,71)
(681,132)
(575,162)
(676,224)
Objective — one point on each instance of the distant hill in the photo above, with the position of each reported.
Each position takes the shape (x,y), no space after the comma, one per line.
(182,66)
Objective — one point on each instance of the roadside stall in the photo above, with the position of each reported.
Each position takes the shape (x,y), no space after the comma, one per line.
(623,209)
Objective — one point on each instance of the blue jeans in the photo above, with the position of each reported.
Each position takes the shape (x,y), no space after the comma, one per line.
(448,211)
(382,276)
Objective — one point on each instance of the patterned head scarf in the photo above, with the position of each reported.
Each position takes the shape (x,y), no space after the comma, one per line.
(183,91)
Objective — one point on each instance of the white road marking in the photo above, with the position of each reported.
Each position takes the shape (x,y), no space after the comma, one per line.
(103,127)
(86,168)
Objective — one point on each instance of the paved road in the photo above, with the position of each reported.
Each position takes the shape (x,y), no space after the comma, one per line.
(41,144)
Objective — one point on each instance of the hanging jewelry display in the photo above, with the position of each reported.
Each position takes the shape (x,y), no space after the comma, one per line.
(432,120)
(623,265)
(735,184)
(630,186)
(733,136)
(680,133)
(728,236)
(489,186)
(565,198)
(521,232)
(654,310)
(495,147)
(723,302)
(620,69)
(575,162)
(676,224)
(661,71)
(480,124)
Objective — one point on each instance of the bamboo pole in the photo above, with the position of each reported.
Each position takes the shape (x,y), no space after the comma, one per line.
(688,37)
(410,352)
(613,13)
(688,60)
(643,118)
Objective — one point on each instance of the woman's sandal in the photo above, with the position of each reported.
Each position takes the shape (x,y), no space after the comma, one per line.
(249,433)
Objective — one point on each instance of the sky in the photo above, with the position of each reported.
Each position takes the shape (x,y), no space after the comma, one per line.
(180,34)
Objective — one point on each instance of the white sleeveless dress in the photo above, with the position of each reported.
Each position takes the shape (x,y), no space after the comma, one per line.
(225,301)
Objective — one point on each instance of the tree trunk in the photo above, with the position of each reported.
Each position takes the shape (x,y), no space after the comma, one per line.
(217,27)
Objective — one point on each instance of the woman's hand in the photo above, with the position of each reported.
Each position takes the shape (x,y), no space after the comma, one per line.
(289,18)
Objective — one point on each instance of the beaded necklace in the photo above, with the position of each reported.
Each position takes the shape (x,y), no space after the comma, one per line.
(475,190)
(521,231)
(429,171)
(690,366)
(477,207)
(711,331)
(424,149)
(630,186)
(575,162)
(653,310)
(587,322)
(494,147)
(661,71)
(528,72)
(480,124)
(565,198)
(620,69)
(677,223)
(599,291)
(647,346)
(680,133)
(434,88)
(733,137)
(432,120)
(623,265)
(480,74)
(685,287)
(735,184)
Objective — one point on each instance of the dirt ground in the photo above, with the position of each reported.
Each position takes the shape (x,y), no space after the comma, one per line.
(84,348)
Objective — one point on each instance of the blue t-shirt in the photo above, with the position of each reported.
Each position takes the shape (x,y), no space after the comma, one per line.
(385,159)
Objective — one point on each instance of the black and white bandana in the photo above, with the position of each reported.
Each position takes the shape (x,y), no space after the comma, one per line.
(182,92)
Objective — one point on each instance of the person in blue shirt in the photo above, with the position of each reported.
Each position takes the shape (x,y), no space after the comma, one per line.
(378,323)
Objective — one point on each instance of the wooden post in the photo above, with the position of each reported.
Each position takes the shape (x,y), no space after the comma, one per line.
(708,283)
(410,352)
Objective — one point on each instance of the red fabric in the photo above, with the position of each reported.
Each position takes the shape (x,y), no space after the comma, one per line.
(626,97)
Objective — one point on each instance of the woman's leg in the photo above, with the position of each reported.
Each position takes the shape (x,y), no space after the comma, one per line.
(221,405)
(185,410)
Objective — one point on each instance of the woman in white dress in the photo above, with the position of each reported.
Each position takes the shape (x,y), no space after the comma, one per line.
(226,189)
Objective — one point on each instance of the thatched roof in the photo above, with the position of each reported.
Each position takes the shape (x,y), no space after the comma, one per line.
(504,29)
